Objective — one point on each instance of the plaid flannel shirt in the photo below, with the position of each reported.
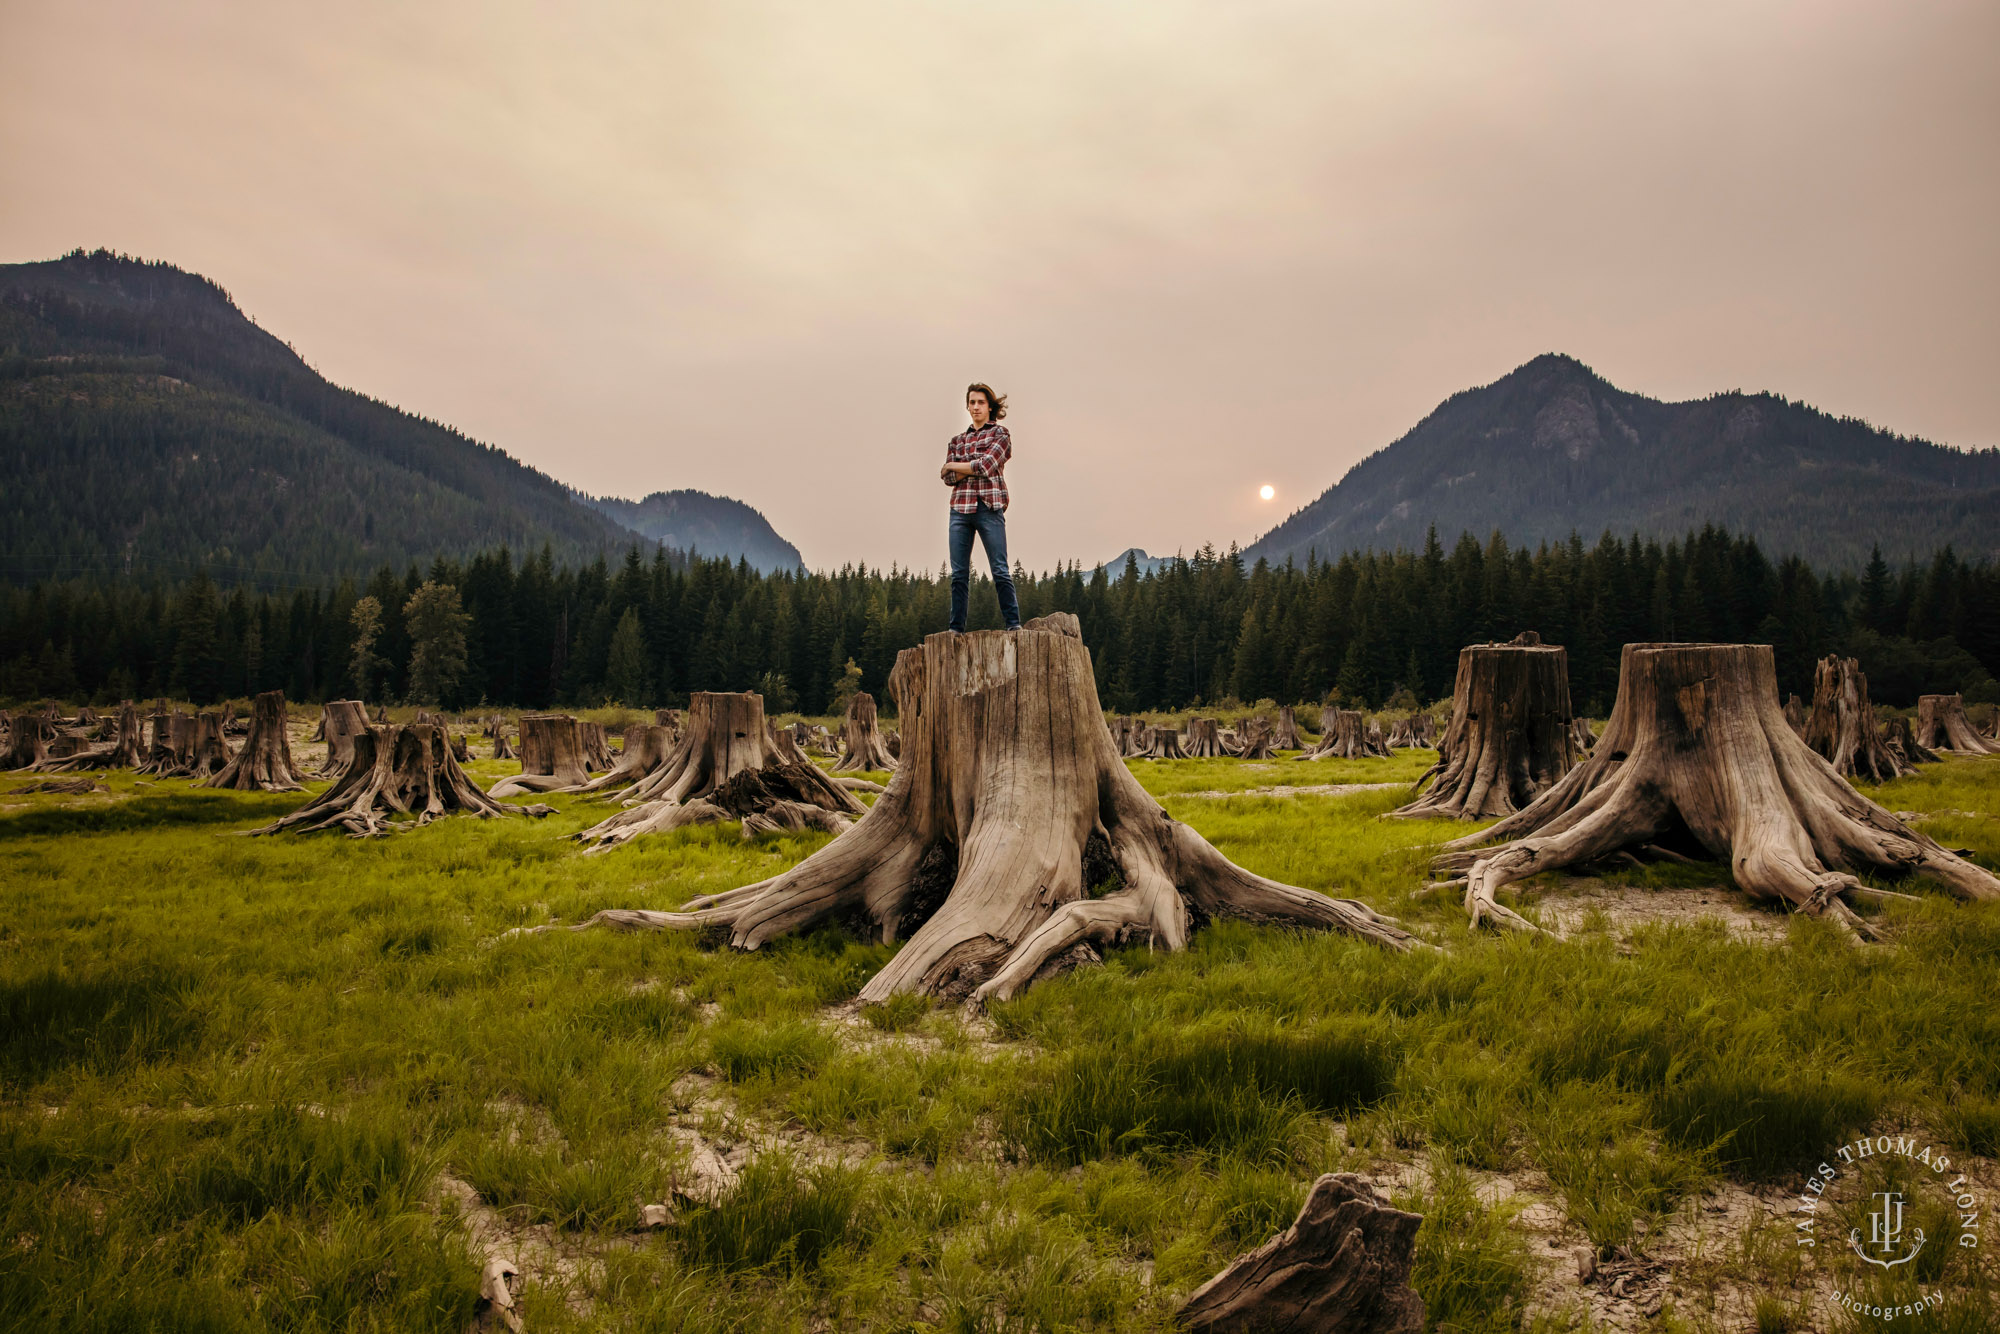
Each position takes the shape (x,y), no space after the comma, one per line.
(987,449)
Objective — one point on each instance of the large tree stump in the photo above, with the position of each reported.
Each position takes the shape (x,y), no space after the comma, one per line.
(1698,748)
(727,740)
(210,754)
(28,742)
(1201,741)
(124,751)
(1344,735)
(1162,743)
(1342,1268)
(1008,765)
(1256,740)
(1902,742)
(264,764)
(551,756)
(1842,728)
(861,744)
(1509,738)
(1285,736)
(340,721)
(406,770)
(1942,725)
(647,748)
(159,757)
(596,748)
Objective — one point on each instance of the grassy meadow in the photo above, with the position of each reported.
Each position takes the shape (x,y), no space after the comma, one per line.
(310,1083)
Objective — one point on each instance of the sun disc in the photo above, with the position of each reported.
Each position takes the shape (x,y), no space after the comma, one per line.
(1267,491)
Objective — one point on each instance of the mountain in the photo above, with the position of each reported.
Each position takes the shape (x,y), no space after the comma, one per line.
(1551,448)
(1146,564)
(695,521)
(147,425)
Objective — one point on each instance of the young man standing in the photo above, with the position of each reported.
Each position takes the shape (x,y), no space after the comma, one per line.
(975,462)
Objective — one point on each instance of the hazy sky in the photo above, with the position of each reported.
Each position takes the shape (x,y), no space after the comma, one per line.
(759,248)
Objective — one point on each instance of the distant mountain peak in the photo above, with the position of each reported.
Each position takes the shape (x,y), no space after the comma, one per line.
(1551,447)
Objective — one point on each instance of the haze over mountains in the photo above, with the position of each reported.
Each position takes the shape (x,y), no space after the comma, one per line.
(147,426)
(1551,448)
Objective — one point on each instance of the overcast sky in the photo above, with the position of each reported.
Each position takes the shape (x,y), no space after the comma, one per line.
(759,248)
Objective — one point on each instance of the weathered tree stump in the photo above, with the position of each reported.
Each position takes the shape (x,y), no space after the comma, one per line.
(1902,742)
(1132,736)
(1344,736)
(893,739)
(1942,725)
(647,747)
(233,721)
(861,744)
(159,758)
(1162,743)
(28,742)
(340,721)
(124,751)
(1007,763)
(1343,1267)
(551,756)
(1285,736)
(1509,738)
(211,754)
(1256,740)
(1201,741)
(1795,713)
(1842,728)
(406,770)
(1581,738)
(727,740)
(1698,748)
(264,764)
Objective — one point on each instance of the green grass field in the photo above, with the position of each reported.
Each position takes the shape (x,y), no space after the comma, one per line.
(306,1083)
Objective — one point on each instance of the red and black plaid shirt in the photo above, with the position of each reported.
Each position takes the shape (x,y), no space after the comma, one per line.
(987,448)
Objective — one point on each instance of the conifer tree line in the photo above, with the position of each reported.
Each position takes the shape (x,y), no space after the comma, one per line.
(1368,629)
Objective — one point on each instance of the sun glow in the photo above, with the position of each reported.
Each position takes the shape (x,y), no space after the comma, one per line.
(1267,491)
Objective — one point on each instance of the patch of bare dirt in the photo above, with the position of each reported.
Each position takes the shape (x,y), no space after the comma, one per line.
(1585,904)
(1309,790)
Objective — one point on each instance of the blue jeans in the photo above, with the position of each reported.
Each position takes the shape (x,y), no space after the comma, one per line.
(991,525)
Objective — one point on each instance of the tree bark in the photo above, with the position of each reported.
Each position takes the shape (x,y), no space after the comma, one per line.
(1342,1268)
(264,764)
(1942,725)
(1286,735)
(861,745)
(727,739)
(596,753)
(1698,748)
(211,754)
(1795,713)
(1581,738)
(1009,766)
(407,770)
(1509,738)
(503,749)
(647,747)
(1842,728)
(551,756)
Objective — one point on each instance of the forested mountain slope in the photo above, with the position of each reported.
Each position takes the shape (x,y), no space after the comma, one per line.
(1552,448)
(695,521)
(146,425)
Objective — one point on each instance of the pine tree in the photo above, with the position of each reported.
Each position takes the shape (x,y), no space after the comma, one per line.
(364,664)
(625,673)
(437,626)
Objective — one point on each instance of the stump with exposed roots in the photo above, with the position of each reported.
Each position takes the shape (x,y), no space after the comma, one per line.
(1942,725)
(160,744)
(596,747)
(1842,728)
(726,766)
(264,764)
(407,770)
(1581,738)
(1902,742)
(1285,736)
(1509,738)
(1344,736)
(28,742)
(340,721)
(647,748)
(1202,741)
(1008,772)
(126,749)
(1162,743)
(210,753)
(551,756)
(1698,752)
(861,743)
(1256,743)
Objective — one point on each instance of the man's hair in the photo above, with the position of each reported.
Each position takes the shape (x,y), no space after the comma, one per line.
(997,403)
